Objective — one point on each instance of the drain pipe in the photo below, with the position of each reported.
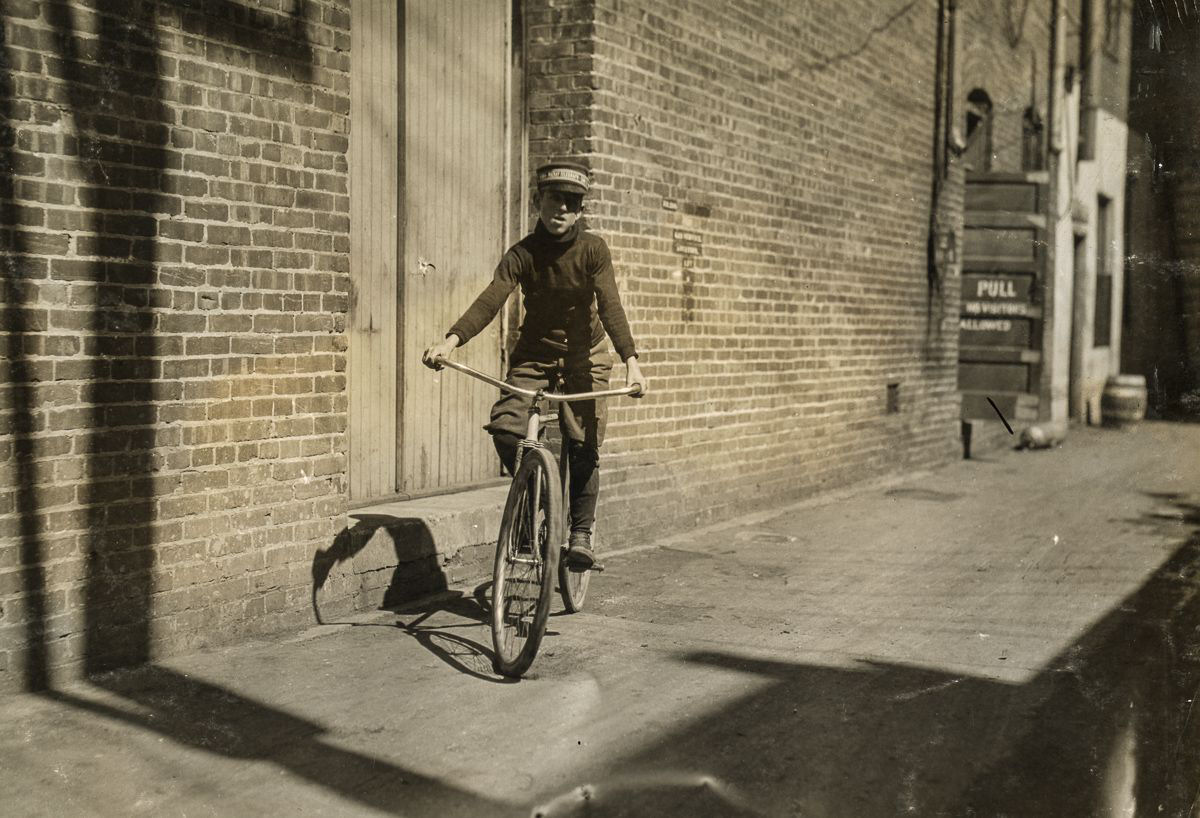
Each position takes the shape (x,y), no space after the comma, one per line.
(939,82)
(943,109)
(948,126)
(1051,208)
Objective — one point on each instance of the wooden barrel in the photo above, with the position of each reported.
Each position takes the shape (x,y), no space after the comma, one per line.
(1123,401)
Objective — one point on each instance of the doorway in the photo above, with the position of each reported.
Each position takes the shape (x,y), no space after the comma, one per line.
(432,185)
(1076,406)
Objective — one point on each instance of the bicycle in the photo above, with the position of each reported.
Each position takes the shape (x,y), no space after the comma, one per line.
(533,535)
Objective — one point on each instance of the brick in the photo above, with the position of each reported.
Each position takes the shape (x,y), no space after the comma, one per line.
(45,244)
(273,238)
(125,225)
(202,74)
(228,235)
(225,323)
(292,261)
(184,185)
(252,345)
(274,323)
(181,230)
(206,255)
(205,165)
(207,345)
(207,211)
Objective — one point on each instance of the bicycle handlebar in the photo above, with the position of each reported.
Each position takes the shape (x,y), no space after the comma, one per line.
(439,361)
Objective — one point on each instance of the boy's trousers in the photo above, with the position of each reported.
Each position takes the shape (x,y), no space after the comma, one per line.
(534,367)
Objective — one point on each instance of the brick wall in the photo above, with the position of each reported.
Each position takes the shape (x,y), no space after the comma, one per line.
(796,141)
(174,223)
(174,218)
(1005,51)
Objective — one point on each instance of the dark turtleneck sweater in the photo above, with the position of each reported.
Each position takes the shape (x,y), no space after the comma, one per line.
(570,294)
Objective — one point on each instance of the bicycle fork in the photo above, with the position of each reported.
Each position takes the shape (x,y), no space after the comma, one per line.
(532,430)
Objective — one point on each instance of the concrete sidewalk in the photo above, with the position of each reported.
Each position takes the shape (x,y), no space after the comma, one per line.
(1014,635)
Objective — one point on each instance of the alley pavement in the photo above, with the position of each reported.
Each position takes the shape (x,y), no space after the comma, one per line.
(1017,635)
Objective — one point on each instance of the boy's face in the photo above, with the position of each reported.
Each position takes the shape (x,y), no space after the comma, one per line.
(558,210)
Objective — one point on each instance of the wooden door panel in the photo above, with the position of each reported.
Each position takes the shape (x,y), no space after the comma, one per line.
(374,190)
(1000,329)
(452,229)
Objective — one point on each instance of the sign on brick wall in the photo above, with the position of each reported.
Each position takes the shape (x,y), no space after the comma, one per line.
(687,243)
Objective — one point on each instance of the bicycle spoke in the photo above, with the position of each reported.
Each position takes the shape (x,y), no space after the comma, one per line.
(525,561)
(524,567)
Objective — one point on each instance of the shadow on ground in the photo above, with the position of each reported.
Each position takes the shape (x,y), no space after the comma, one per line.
(197,714)
(1107,728)
(463,654)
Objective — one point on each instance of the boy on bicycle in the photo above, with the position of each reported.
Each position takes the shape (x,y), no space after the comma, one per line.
(571,301)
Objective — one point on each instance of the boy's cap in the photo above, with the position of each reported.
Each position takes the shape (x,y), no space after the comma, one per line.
(569,177)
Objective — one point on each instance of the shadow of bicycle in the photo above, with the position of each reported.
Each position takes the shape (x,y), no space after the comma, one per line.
(424,622)
(415,570)
(459,652)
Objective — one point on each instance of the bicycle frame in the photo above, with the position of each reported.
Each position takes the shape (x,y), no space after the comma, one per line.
(530,393)
(546,540)
(534,428)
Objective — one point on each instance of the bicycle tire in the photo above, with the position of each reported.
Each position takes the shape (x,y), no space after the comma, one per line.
(573,585)
(527,557)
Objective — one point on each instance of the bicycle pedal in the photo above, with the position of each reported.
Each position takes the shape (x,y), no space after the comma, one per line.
(576,569)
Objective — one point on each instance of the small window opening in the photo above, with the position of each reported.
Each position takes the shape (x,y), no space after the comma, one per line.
(1031,139)
(978,153)
(893,398)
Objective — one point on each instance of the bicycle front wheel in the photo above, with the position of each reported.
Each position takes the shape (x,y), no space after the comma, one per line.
(526,563)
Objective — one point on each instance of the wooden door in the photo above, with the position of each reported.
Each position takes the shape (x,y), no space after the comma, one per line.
(1000,329)
(455,150)
(373,324)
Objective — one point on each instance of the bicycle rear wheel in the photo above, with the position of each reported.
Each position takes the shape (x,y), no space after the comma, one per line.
(573,585)
(526,563)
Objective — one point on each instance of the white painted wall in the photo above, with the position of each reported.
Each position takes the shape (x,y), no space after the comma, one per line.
(1080,184)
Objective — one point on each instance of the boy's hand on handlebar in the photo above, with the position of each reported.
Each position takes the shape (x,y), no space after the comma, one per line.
(635,379)
(439,350)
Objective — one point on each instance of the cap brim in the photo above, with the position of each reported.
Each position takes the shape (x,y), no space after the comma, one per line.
(564,187)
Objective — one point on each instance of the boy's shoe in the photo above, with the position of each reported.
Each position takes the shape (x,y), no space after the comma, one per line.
(579,551)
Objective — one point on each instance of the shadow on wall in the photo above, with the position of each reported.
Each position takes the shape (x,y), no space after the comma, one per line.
(415,570)
(21,327)
(116,277)
(114,106)
(109,98)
